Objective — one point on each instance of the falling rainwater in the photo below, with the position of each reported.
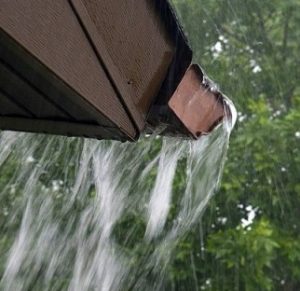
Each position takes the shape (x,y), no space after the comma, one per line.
(82,214)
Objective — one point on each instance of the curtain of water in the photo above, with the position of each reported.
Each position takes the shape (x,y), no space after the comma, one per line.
(79,214)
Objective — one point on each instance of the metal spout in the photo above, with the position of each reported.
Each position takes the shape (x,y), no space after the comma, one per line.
(196,104)
(194,109)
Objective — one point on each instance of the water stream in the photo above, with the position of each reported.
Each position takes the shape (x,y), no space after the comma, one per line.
(80,214)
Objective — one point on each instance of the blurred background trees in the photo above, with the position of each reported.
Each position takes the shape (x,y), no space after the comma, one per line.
(249,237)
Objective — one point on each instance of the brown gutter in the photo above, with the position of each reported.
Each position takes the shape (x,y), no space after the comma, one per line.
(115,68)
(107,63)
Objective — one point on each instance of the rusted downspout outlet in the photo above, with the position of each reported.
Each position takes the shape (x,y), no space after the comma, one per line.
(195,108)
(196,104)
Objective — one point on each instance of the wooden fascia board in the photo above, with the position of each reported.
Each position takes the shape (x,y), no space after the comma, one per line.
(60,128)
(108,64)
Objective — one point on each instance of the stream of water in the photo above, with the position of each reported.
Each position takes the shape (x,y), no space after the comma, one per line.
(79,214)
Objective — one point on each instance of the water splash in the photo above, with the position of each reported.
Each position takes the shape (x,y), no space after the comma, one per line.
(80,214)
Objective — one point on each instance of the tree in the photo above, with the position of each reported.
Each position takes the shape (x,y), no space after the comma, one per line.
(250,48)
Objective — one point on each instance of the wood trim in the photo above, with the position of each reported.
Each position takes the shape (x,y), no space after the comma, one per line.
(39,74)
(50,43)
(108,65)
(61,128)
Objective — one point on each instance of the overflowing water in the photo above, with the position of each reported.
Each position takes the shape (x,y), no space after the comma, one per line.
(79,214)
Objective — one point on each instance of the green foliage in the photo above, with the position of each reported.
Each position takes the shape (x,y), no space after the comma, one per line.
(248,253)
(251,49)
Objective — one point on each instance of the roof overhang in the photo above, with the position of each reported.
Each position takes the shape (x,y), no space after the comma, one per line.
(102,69)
